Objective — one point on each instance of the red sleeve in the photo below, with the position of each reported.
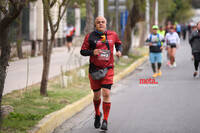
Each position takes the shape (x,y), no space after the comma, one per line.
(85,49)
(85,45)
(117,41)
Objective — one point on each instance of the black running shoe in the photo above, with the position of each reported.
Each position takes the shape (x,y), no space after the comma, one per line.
(97,121)
(195,74)
(104,125)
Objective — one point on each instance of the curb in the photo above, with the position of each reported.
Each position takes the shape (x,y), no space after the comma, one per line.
(53,120)
(131,68)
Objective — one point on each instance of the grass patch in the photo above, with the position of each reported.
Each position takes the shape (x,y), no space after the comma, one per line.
(30,107)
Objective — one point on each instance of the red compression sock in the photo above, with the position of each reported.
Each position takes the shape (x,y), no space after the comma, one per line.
(96,106)
(106,110)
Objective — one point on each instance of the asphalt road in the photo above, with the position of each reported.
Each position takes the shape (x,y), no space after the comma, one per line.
(171,106)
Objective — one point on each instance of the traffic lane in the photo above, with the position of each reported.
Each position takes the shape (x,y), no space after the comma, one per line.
(164,108)
(170,107)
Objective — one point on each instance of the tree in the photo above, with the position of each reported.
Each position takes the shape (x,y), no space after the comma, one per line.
(136,14)
(165,9)
(182,12)
(96,4)
(9,10)
(19,37)
(89,17)
(48,45)
(174,10)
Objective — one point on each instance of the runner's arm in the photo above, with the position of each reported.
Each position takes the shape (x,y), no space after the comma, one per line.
(118,47)
(148,41)
(192,37)
(118,43)
(178,39)
(85,49)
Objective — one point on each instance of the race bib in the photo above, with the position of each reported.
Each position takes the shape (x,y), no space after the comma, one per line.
(104,55)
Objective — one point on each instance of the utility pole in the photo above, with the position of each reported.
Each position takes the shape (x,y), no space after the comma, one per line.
(101,8)
(117,15)
(156,13)
(147,17)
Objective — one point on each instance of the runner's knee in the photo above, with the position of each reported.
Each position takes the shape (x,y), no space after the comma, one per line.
(97,95)
(106,94)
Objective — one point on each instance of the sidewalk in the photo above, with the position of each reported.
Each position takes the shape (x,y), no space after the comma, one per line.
(17,71)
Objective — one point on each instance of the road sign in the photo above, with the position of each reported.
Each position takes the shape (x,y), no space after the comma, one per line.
(121,8)
(121,2)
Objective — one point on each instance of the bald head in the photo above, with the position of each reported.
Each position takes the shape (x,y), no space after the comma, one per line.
(100,23)
(100,18)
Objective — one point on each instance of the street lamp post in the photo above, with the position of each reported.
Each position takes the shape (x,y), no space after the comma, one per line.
(156,13)
(147,16)
(101,8)
(117,15)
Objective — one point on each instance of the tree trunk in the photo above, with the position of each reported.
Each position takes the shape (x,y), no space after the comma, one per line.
(33,48)
(45,74)
(135,15)
(96,5)
(89,17)
(153,14)
(142,31)
(127,36)
(46,60)
(19,37)
(4,58)
(47,49)
(46,65)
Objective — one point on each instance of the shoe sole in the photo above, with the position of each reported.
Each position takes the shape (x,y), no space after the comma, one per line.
(103,130)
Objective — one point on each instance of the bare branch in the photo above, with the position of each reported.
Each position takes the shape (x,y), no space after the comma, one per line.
(61,13)
(52,3)
(54,27)
(66,5)
(12,2)
(10,15)
(3,9)
(16,4)
(47,9)
(8,19)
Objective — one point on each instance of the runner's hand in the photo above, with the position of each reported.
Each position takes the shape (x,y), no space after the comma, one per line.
(97,51)
(118,54)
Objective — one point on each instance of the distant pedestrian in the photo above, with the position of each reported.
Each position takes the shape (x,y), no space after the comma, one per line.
(161,31)
(69,31)
(167,27)
(154,41)
(184,31)
(172,40)
(194,41)
(167,30)
(178,29)
(99,45)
